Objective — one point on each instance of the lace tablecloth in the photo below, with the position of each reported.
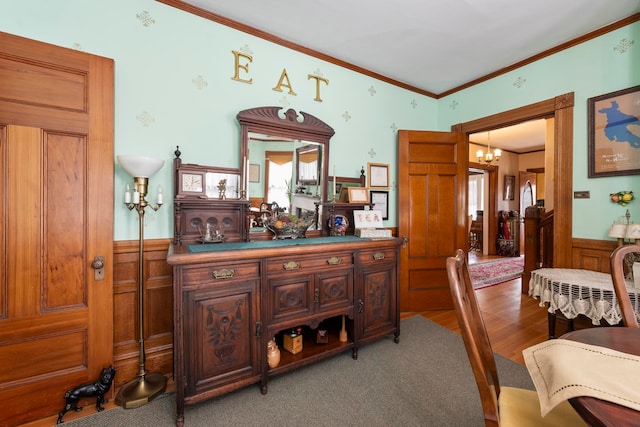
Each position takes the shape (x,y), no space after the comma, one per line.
(574,292)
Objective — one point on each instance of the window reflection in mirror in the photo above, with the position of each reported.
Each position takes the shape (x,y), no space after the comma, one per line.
(308,165)
(289,171)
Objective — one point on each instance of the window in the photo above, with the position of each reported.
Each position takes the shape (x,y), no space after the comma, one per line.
(476,194)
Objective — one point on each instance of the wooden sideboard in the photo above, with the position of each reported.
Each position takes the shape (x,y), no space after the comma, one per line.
(231,299)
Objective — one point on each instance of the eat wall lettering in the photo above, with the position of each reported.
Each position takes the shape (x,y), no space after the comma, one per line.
(242,61)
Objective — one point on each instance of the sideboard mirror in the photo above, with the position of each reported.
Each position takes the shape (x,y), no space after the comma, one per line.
(288,154)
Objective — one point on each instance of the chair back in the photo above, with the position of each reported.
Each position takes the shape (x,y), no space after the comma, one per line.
(474,335)
(618,262)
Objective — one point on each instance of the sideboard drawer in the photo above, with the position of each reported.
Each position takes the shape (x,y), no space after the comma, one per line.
(309,263)
(378,255)
(211,273)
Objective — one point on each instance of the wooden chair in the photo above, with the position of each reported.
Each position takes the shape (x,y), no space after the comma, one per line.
(617,262)
(502,406)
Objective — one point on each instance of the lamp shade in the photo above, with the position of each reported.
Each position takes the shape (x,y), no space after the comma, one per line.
(633,231)
(618,231)
(140,166)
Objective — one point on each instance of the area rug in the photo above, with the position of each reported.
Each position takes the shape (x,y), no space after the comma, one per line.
(492,272)
(424,380)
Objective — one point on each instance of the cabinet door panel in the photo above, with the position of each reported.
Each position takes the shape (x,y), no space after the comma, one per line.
(379,299)
(291,297)
(334,289)
(221,340)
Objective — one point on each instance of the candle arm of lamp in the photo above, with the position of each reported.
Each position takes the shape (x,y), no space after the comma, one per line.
(141,184)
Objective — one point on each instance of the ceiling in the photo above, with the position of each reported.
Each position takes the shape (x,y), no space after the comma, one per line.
(432,46)
(522,138)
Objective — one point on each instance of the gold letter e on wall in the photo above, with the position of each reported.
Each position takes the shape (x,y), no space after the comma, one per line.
(284,78)
(243,67)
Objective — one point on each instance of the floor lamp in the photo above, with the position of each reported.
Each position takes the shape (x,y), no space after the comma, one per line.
(145,387)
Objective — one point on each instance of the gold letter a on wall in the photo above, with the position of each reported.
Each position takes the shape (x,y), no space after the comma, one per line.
(284,78)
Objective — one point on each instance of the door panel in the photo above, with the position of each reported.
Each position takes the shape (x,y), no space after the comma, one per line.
(432,195)
(56,153)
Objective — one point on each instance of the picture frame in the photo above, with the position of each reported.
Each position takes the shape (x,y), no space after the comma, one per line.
(344,195)
(378,175)
(614,150)
(509,187)
(380,201)
(358,195)
(254,173)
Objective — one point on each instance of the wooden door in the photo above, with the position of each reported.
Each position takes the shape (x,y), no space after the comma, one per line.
(56,215)
(432,212)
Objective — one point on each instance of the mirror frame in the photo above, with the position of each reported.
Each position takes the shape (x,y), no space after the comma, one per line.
(275,121)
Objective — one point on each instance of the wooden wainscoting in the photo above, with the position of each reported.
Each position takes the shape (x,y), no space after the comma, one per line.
(589,254)
(158,312)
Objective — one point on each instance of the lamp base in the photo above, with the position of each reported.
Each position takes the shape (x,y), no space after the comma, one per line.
(140,391)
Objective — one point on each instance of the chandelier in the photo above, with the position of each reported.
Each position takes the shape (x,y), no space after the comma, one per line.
(489,156)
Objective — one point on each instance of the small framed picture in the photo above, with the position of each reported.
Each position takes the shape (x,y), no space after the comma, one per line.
(358,195)
(338,187)
(254,173)
(344,194)
(380,201)
(378,175)
(509,184)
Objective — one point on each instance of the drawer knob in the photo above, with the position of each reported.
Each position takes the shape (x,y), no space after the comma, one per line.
(291,265)
(334,260)
(378,256)
(225,273)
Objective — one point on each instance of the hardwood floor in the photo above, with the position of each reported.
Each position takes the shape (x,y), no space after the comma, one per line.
(514,321)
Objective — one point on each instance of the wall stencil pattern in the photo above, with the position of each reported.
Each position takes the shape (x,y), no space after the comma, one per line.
(145,18)
(624,45)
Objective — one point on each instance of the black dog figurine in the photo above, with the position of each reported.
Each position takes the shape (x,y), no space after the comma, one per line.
(95,389)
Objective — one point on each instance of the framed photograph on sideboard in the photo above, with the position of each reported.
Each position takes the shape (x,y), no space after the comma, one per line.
(380,201)
(358,195)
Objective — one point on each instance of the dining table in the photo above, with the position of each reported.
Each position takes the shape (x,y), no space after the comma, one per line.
(574,292)
(599,412)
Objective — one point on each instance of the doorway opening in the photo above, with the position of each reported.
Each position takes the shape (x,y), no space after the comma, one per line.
(560,108)
(522,148)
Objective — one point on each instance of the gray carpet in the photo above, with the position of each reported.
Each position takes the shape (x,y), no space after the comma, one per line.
(425,380)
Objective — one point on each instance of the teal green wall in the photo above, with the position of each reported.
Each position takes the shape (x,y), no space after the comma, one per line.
(158,65)
(590,69)
(155,68)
